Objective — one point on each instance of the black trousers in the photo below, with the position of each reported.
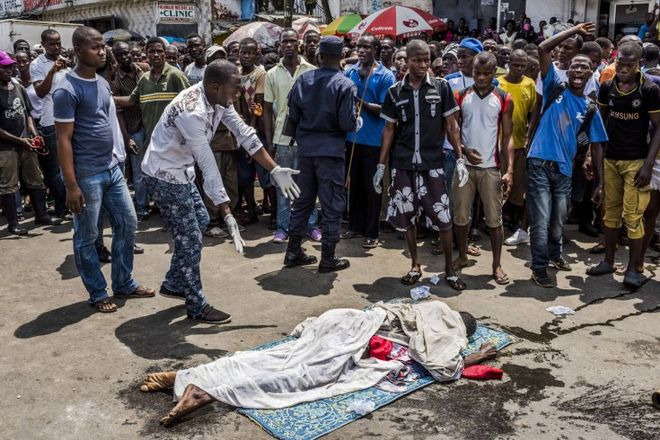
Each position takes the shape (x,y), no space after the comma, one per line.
(364,203)
(322,177)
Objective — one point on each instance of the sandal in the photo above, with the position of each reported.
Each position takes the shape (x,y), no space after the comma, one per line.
(502,279)
(473,251)
(411,277)
(350,235)
(140,292)
(455,282)
(105,306)
(601,268)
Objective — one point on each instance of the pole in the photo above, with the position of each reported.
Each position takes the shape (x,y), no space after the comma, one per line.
(288,13)
(499,14)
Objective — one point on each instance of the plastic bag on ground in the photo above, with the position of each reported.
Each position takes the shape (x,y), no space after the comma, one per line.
(560,310)
(362,407)
(420,292)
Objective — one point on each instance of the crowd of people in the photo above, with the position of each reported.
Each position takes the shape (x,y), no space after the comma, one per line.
(442,139)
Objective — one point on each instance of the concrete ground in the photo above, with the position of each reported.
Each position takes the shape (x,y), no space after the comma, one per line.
(70,373)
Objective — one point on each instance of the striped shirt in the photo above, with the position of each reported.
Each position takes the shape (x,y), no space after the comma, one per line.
(123,85)
(154,96)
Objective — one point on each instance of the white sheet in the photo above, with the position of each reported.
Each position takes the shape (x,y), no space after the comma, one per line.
(324,361)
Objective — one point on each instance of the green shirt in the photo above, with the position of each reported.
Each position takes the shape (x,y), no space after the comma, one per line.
(154,96)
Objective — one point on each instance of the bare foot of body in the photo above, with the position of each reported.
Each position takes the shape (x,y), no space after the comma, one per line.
(193,399)
(158,381)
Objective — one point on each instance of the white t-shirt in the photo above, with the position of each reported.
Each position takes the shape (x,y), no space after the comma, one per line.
(195,74)
(39,69)
(480,123)
(35,101)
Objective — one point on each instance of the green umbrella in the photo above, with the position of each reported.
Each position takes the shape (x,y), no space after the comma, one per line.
(342,25)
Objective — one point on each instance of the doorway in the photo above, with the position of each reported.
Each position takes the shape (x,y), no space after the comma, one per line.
(626,16)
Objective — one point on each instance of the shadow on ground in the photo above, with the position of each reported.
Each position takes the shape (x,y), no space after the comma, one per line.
(298,281)
(162,335)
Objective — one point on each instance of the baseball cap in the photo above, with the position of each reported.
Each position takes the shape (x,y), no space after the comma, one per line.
(473,44)
(5,59)
(214,49)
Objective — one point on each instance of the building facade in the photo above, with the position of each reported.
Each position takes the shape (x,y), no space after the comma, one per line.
(612,16)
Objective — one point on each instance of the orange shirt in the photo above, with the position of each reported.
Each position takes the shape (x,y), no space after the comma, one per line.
(607,73)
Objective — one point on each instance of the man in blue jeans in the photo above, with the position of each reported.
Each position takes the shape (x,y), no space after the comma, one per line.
(552,151)
(93,178)
(279,81)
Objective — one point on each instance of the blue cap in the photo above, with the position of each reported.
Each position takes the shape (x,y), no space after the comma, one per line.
(331,45)
(473,44)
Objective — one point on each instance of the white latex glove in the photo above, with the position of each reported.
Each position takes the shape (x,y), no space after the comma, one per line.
(462,171)
(282,178)
(359,123)
(232,228)
(378,178)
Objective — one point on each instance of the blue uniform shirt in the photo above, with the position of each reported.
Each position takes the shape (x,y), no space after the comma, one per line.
(379,83)
(556,137)
(322,105)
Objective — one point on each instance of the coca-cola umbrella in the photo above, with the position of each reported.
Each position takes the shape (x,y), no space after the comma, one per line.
(266,33)
(398,21)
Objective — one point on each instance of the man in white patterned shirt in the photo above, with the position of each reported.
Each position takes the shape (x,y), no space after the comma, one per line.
(181,140)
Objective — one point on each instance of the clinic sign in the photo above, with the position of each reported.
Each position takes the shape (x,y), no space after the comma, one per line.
(176,12)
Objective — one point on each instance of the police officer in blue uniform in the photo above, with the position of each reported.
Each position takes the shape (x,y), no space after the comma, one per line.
(322,109)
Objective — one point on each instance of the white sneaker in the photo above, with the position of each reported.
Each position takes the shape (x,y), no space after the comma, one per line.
(216,232)
(518,237)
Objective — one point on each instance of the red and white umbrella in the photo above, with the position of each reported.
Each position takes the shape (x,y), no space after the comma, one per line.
(398,21)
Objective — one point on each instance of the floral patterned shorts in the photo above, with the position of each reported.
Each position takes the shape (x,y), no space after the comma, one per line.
(419,192)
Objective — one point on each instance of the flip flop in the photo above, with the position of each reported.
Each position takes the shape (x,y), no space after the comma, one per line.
(411,277)
(111,307)
(501,280)
(473,251)
(455,282)
(601,268)
(437,251)
(139,292)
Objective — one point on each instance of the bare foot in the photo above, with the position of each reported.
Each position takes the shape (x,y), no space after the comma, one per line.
(158,381)
(193,399)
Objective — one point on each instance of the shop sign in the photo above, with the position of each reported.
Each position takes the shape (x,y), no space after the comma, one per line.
(176,13)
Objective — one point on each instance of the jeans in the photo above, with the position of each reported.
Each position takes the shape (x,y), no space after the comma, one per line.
(548,199)
(183,211)
(105,190)
(102,215)
(141,195)
(287,157)
(51,169)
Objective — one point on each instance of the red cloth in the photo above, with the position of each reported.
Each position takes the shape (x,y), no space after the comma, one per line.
(483,372)
(379,347)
